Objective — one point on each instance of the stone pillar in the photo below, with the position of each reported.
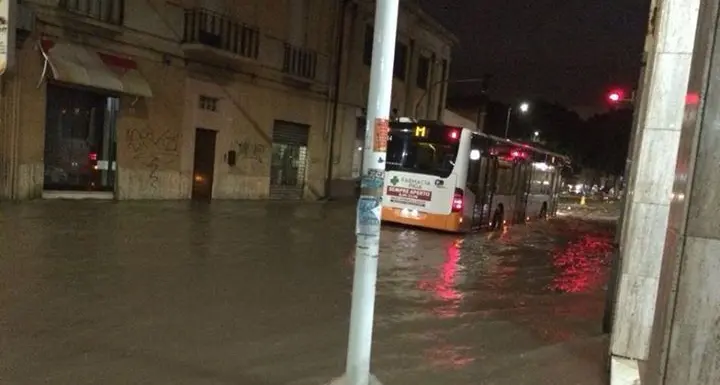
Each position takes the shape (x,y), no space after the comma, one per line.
(650,185)
(9,135)
(685,347)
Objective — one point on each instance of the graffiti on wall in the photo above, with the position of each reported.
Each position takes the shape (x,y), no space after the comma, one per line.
(143,142)
(252,157)
(247,150)
(153,165)
(154,150)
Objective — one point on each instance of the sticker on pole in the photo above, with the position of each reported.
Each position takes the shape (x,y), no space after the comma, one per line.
(368,216)
(381,133)
(373,179)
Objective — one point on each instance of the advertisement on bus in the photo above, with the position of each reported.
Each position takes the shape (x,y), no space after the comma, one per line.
(427,193)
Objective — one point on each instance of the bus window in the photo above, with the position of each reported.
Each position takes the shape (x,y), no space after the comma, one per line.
(474,170)
(421,155)
(483,177)
(541,183)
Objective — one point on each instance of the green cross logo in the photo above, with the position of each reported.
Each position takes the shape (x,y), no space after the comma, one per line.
(394,180)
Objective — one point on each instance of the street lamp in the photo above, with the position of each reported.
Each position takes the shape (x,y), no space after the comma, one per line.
(524,108)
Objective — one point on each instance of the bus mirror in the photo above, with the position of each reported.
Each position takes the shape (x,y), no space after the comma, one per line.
(474,154)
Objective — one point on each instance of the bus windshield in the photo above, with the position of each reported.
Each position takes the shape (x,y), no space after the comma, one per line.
(421,155)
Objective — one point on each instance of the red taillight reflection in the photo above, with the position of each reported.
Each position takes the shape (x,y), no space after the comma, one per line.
(457,203)
(92,156)
(692,98)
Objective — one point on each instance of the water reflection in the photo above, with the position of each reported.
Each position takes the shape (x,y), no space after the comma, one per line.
(269,282)
(582,264)
(449,356)
(542,281)
(443,285)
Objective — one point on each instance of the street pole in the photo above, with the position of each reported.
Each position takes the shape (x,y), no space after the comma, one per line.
(480,121)
(507,122)
(369,207)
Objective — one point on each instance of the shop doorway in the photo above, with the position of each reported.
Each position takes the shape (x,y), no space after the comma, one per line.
(203,164)
(80,140)
(289,160)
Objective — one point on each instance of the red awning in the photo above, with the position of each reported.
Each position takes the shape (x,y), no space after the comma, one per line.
(74,63)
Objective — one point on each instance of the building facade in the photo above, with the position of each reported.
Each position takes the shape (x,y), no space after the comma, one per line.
(421,70)
(150,99)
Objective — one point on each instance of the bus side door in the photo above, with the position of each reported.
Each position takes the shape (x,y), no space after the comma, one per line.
(489,186)
(475,183)
(554,192)
(523,175)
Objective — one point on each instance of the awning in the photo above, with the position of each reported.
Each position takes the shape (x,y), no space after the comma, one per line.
(73,63)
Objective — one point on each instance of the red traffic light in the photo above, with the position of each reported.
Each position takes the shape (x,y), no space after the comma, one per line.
(616,96)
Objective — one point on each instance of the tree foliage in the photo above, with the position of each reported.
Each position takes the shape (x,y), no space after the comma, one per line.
(599,142)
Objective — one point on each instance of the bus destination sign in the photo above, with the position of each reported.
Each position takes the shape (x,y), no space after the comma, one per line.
(421,131)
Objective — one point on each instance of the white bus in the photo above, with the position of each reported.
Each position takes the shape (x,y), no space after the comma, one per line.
(453,179)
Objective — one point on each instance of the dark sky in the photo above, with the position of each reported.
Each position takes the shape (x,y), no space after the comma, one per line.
(569,51)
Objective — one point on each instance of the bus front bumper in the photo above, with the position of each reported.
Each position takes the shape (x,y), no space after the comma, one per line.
(451,222)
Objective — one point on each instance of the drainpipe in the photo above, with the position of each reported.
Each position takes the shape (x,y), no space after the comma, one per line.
(340,45)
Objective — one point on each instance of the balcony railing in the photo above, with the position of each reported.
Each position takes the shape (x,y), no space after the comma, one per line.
(106,11)
(218,31)
(300,62)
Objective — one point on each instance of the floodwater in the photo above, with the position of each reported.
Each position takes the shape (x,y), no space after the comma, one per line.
(259,293)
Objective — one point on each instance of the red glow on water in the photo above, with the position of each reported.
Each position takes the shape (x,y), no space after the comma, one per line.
(581,265)
(449,356)
(692,98)
(443,285)
(444,288)
(448,272)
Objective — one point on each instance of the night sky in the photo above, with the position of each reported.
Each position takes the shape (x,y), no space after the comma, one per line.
(568,51)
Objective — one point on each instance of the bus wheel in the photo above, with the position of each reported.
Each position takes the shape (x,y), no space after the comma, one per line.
(543,211)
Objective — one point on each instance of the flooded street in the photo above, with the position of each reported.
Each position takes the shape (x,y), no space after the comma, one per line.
(259,293)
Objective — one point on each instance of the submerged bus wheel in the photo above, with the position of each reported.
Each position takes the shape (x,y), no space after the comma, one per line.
(543,211)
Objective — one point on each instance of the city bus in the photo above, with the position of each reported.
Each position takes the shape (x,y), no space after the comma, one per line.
(457,180)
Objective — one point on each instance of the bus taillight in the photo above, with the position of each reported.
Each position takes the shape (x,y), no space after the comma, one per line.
(454,134)
(457,203)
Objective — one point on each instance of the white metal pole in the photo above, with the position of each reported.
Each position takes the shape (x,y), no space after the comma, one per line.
(369,205)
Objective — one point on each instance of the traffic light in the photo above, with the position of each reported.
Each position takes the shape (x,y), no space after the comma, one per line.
(616,96)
